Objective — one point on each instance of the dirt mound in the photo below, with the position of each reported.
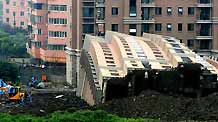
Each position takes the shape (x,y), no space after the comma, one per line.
(147,105)
(45,103)
(172,108)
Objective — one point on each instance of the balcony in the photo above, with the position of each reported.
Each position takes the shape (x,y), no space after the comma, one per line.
(148,3)
(204,35)
(137,20)
(215,20)
(100,17)
(100,21)
(100,4)
(204,19)
(204,3)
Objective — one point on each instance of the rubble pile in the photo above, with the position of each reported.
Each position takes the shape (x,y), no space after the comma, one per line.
(148,104)
(172,108)
(46,103)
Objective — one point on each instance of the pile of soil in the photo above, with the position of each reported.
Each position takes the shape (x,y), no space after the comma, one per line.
(151,104)
(45,103)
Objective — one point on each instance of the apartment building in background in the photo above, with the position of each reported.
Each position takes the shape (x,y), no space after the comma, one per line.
(49,25)
(15,13)
(193,22)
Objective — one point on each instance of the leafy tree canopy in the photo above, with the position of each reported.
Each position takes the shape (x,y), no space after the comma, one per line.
(13,44)
(8,71)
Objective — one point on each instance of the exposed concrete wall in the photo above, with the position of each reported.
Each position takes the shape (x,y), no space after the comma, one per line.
(87,93)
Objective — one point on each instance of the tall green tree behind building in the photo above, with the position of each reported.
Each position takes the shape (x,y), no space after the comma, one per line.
(8,71)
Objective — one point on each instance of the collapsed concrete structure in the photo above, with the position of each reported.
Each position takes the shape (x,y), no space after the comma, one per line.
(121,65)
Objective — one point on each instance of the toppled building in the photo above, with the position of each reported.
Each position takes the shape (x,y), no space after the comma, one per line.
(121,65)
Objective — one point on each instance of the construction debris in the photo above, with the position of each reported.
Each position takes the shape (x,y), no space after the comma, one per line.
(59,96)
(148,104)
(45,103)
(152,104)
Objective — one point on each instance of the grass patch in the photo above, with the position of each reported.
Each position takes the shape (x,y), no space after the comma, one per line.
(79,116)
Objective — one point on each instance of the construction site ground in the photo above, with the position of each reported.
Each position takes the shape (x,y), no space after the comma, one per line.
(147,105)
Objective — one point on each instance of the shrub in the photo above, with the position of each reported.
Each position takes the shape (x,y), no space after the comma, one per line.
(79,116)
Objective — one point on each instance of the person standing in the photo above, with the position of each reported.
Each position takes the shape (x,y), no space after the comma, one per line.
(30,96)
(22,101)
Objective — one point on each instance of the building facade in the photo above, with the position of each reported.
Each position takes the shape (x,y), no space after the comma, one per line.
(15,13)
(194,22)
(50,28)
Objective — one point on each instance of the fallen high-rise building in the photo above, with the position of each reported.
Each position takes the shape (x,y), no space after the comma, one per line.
(121,65)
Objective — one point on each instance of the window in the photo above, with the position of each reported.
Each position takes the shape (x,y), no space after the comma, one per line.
(21,23)
(114,11)
(179,51)
(204,1)
(205,44)
(14,3)
(37,6)
(190,27)
(190,43)
(114,27)
(7,11)
(88,12)
(132,8)
(55,47)
(169,11)
(21,4)
(21,13)
(7,2)
(186,59)
(145,28)
(180,11)
(57,21)
(7,20)
(57,34)
(57,7)
(175,45)
(88,28)
(158,11)
(37,44)
(191,10)
(158,27)
(132,29)
(14,13)
(180,27)
(38,19)
(169,27)
(39,32)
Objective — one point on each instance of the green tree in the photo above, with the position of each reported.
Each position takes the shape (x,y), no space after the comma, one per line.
(13,45)
(8,71)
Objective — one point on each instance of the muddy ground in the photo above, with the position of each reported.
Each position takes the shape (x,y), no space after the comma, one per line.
(147,105)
